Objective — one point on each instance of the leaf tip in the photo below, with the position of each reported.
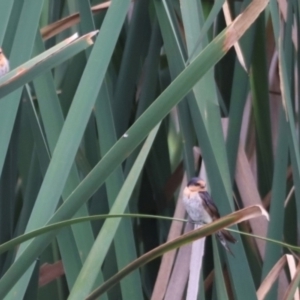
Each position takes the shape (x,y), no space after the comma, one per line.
(264,212)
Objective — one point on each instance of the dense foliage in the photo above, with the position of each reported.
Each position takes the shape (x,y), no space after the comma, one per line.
(109,107)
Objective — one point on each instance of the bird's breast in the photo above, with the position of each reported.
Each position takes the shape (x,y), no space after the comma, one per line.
(4,66)
(194,207)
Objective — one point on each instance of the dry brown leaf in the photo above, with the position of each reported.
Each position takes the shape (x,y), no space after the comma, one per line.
(177,283)
(162,279)
(248,213)
(294,275)
(166,266)
(173,182)
(196,262)
(57,27)
(49,272)
(250,195)
(21,70)
(271,278)
(238,50)
(243,22)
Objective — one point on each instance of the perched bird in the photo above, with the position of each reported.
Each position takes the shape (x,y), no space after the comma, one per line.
(4,64)
(202,210)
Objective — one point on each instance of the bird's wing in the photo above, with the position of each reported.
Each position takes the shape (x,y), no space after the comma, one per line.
(228,236)
(209,204)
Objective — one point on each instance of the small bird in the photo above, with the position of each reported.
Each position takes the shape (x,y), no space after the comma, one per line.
(4,64)
(202,210)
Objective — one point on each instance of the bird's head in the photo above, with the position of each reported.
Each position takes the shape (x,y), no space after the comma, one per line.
(197,185)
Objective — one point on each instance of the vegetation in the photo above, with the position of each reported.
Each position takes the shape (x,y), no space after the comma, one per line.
(109,108)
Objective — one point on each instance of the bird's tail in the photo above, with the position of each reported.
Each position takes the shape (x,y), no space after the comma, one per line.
(224,236)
